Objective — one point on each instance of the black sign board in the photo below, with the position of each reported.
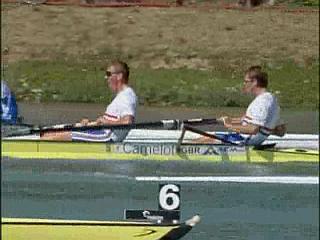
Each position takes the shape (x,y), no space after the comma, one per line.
(152,215)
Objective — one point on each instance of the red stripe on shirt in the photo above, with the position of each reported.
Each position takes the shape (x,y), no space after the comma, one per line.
(106,115)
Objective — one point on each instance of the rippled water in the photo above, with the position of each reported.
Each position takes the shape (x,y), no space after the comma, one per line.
(101,190)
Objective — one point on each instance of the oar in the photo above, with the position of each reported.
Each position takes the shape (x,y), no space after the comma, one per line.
(163,124)
(23,130)
(203,133)
(199,121)
(8,130)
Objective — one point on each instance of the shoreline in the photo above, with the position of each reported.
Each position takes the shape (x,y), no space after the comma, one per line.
(298,120)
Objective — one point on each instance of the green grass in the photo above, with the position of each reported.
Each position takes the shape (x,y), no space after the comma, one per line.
(178,56)
(300,3)
(70,81)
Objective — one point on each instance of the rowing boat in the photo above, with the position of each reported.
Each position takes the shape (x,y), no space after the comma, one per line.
(138,224)
(21,228)
(162,149)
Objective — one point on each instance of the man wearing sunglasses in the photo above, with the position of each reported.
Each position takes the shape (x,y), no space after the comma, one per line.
(262,117)
(121,110)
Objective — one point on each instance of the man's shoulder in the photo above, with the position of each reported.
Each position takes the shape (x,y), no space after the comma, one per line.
(128,95)
(266,97)
(129,92)
(264,101)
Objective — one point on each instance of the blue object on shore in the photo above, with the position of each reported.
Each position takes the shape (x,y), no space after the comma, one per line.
(9,109)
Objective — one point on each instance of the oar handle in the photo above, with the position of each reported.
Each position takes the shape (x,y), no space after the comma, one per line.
(201,121)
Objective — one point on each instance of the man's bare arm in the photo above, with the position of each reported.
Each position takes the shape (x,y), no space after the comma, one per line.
(128,119)
(247,129)
(236,120)
(236,126)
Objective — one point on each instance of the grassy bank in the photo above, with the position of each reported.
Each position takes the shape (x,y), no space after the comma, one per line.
(75,82)
(178,56)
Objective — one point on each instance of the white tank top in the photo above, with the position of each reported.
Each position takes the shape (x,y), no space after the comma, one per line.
(263,111)
(124,104)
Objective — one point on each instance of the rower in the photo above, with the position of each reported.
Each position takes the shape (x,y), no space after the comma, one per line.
(9,110)
(262,117)
(121,110)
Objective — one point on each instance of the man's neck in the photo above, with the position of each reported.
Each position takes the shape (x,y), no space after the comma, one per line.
(122,87)
(259,91)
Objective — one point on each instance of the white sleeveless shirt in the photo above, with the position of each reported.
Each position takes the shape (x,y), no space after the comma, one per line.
(263,111)
(124,104)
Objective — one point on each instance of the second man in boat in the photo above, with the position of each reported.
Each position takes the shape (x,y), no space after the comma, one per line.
(262,117)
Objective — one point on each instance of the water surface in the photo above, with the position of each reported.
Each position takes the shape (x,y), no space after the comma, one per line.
(101,191)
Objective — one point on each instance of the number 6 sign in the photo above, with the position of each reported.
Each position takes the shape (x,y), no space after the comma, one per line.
(169,197)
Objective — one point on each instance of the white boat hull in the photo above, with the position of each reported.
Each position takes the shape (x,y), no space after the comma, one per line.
(305,141)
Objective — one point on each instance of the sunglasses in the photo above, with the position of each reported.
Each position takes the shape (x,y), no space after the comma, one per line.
(247,81)
(109,73)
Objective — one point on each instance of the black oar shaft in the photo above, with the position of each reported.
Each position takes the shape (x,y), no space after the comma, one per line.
(203,133)
(201,121)
(164,124)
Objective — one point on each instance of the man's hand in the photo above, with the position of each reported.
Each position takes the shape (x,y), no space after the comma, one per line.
(280,130)
(227,121)
(101,121)
(83,122)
